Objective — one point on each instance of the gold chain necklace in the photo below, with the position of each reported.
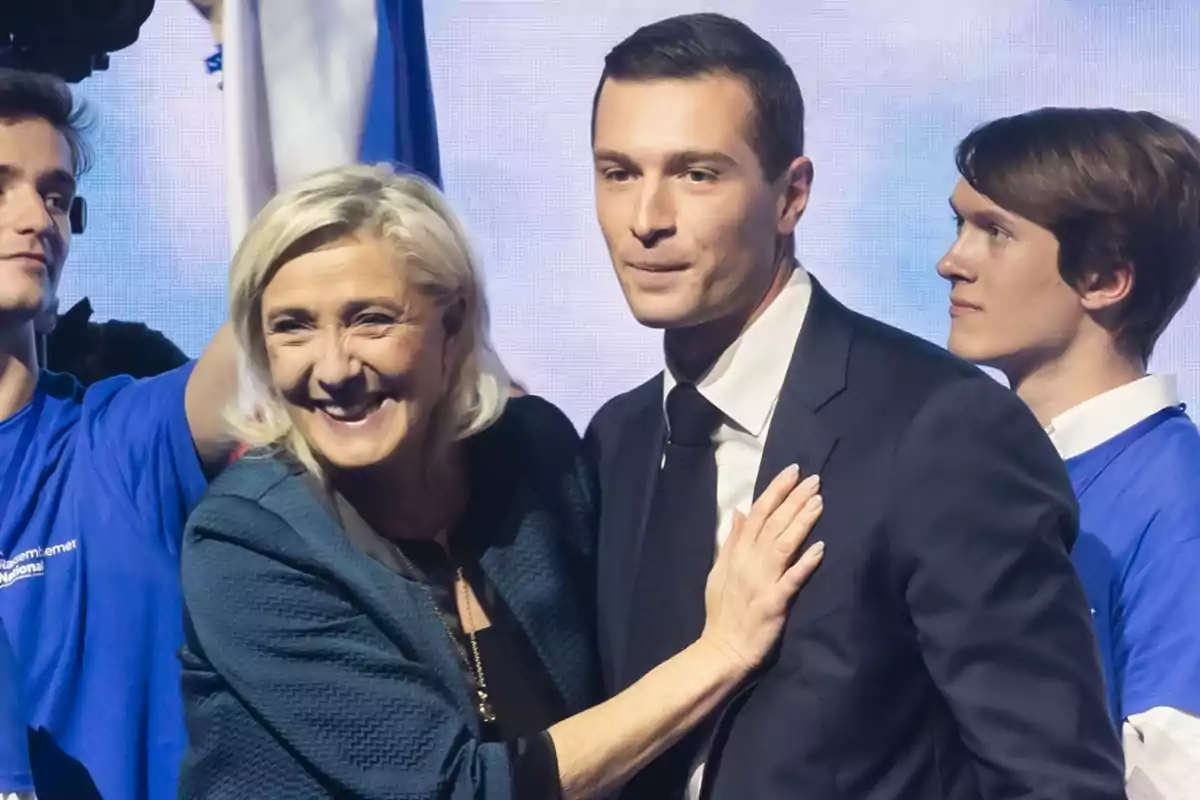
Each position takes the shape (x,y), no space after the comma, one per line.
(484,703)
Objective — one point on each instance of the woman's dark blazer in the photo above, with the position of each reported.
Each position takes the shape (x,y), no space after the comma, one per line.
(312,670)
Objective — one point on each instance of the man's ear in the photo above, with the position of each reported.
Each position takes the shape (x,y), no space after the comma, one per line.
(794,199)
(1102,292)
(47,318)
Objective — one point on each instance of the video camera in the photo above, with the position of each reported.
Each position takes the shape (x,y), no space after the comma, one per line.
(68,38)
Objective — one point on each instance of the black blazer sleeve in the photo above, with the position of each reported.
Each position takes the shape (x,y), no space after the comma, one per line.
(295,693)
(985,518)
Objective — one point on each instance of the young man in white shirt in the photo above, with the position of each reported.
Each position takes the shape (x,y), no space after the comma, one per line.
(1078,242)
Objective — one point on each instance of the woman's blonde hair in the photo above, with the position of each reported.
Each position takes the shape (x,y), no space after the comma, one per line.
(411,216)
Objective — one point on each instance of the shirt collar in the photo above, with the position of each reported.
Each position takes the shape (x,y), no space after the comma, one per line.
(1095,421)
(745,381)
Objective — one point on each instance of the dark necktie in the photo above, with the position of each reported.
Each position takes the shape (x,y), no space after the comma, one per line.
(678,548)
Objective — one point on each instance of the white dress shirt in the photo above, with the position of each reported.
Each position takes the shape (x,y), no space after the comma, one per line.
(744,384)
(1162,745)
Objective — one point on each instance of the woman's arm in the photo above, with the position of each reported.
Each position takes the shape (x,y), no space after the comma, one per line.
(747,596)
(291,684)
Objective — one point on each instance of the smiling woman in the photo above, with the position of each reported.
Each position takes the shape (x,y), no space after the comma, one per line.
(357,300)
(393,594)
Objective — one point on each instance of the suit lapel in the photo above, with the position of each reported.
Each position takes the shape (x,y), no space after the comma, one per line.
(628,488)
(798,435)
(816,374)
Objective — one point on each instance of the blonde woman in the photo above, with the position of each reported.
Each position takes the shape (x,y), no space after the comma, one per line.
(392,595)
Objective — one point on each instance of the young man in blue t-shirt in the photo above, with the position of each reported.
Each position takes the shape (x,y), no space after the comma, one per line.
(95,486)
(1078,241)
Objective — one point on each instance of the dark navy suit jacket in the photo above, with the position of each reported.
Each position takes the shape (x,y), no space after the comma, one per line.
(944,649)
(311,670)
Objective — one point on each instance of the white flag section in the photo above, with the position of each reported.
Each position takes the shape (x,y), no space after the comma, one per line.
(297,78)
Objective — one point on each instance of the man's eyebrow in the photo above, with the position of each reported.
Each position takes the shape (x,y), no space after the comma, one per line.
(613,156)
(689,157)
(994,214)
(58,179)
(675,161)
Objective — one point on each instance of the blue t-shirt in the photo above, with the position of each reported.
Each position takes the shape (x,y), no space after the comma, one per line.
(14,742)
(89,580)
(1138,555)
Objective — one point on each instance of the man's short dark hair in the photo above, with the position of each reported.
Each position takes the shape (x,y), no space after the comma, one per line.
(699,45)
(32,95)
(1115,188)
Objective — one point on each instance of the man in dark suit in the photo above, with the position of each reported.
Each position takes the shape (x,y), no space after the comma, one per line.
(943,650)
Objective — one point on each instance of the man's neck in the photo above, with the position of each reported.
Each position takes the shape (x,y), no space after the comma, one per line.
(18,370)
(1078,375)
(691,351)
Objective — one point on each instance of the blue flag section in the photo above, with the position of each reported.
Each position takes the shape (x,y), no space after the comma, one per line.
(401,125)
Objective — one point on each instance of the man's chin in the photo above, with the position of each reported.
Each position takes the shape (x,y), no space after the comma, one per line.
(663,316)
(20,309)
(977,354)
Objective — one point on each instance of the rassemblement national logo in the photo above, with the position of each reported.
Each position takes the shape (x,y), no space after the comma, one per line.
(30,563)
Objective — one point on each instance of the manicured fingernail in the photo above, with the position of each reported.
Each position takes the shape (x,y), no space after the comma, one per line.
(793,469)
(811,482)
(818,548)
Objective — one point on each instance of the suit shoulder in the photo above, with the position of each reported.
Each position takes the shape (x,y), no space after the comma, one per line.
(911,350)
(914,372)
(617,409)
